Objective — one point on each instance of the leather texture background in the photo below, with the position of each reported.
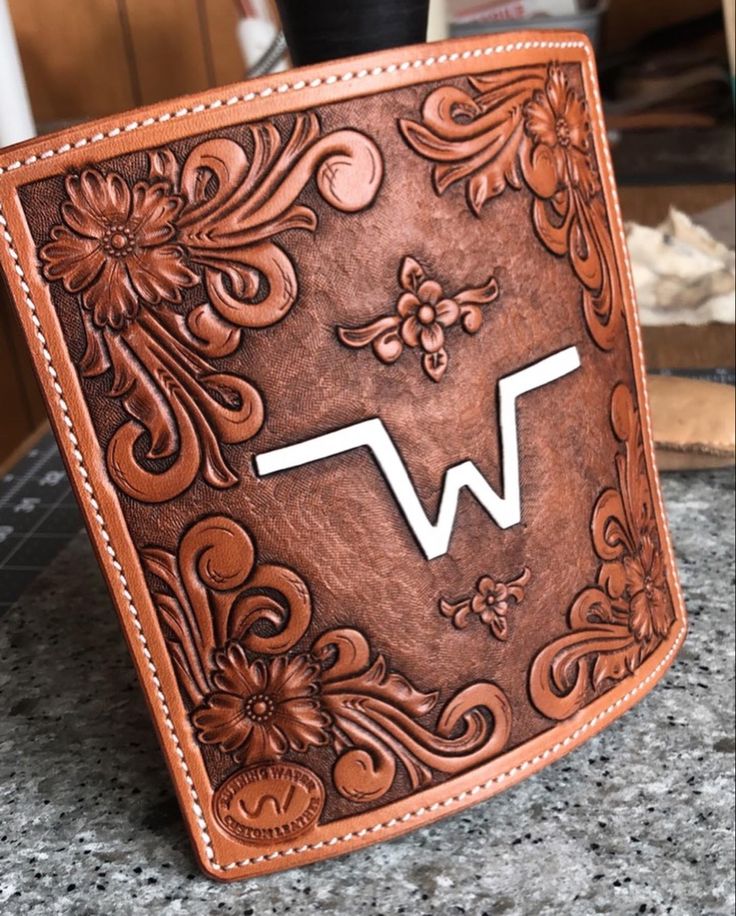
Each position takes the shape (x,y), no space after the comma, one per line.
(392,689)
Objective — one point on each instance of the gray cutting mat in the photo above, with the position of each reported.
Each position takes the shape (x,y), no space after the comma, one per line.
(38,516)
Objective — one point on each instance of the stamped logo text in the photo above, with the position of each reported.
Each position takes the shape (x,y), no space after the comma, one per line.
(269,802)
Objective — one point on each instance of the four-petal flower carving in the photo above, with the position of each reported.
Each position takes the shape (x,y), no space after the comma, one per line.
(423,314)
(530,125)
(231,624)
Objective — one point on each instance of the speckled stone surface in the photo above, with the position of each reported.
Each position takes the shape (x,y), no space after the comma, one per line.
(639,820)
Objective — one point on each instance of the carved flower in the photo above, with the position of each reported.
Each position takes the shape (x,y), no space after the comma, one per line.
(127,250)
(424,311)
(646,585)
(557,118)
(422,315)
(529,125)
(491,604)
(262,709)
(619,621)
(116,246)
(490,601)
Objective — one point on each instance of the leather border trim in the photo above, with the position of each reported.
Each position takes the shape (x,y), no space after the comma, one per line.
(310,86)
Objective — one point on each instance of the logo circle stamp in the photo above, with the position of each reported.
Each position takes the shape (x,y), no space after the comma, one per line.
(269,802)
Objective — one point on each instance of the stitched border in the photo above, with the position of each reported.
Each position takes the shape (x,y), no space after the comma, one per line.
(196,807)
(469,793)
(634,330)
(281,88)
(550,752)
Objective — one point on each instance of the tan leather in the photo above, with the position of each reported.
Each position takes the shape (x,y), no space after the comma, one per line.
(693,422)
(380,239)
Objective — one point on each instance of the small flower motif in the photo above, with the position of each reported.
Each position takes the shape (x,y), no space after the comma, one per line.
(490,601)
(491,604)
(423,315)
(116,246)
(557,118)
(262,709)
(646,585)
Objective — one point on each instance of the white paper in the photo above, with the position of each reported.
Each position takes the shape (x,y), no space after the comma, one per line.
(681,273)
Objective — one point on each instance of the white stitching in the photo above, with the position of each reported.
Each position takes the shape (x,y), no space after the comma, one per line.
(282,88)
(634,329)
(501,777)
(106,537)
(495,780)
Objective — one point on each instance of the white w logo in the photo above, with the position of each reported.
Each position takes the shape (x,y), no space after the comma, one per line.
(434,538)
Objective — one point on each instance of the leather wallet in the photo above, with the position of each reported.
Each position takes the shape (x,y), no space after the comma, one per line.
(345,367)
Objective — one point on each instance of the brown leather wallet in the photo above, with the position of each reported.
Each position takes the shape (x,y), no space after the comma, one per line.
(346,370)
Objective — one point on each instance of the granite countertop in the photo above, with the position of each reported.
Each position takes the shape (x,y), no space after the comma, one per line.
(638,820)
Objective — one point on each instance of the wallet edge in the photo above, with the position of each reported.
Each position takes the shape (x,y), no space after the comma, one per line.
(450,797)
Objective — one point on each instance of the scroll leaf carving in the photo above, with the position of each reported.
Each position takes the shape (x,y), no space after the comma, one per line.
(216,593)
(231,626)
(618,622)
(529,126)
(204,226)
(374,715)
(422,316)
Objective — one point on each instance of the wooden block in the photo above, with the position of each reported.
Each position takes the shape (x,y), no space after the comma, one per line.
(222,20)
(650,204)
(680,346)
(74,57)
(692,422)
(168,46)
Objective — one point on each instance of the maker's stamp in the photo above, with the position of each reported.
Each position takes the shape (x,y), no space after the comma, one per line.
(269,802)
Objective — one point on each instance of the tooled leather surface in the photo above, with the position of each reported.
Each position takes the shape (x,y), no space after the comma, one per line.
(529,127)
(130,251)
(421,318)
(302,600)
